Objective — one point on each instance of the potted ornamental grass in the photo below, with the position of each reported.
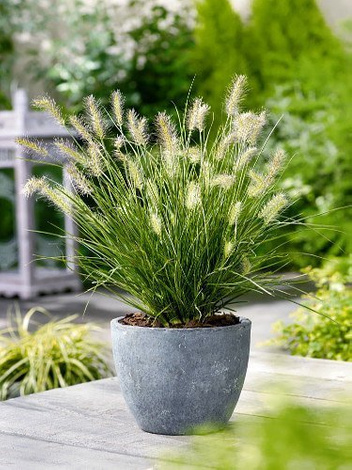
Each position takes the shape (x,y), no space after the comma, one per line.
(179,225)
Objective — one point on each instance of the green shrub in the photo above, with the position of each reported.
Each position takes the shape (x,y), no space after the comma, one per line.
(7,10)
(140,47)
(57,354)
(313,133)
(279,54)
(219,51)
(290,440)
(316,335)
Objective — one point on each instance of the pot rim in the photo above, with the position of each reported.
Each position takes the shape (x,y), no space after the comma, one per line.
(115,322)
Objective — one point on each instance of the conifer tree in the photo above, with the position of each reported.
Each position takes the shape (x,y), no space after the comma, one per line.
(218,54)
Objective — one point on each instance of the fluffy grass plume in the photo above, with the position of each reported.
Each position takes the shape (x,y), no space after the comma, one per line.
(174,219)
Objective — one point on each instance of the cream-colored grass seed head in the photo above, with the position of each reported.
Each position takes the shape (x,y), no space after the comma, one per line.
(68,149)
(223,181)
(248,126)
(228,248)
(137,127)
(78,180)
(245,158)
(94,162)
(235,95)
(135,174)
(197,115)
(81,128)
(167,133)
(33,146)
(155,223)
(272,209)
(45,103)
(259,183)
(95,116)
(194,154)
(117,104)
(275,164)
(119,142)
(193,196)
(55,196)
(223,146)
(234,213)
(33,185)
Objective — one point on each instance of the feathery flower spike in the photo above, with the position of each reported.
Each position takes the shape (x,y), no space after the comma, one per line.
(95,116)
(194,154)
(117,102)
(81,127)
(223,146)
(155,223)
(137,127)
(193,195)
(259,183)
(135,174)
(167,133)
(229,245)
(55,196)
(45,103)
(197,114)
(245,157)
(78,180)
(223,181)
(118,144)
(234,213)
(247,127)
(94,163)
(33,146)
(275,164)
(69,150)
(272,208)
(235,95)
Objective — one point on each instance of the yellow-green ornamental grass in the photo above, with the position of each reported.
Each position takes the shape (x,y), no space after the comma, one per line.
(57,354)
(174,219)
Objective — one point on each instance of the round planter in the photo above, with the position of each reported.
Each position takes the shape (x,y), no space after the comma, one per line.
(175,379)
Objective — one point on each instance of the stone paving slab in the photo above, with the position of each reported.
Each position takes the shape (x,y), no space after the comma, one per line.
(89,426)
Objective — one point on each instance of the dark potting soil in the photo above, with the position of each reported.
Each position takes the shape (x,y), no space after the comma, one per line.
(139,319)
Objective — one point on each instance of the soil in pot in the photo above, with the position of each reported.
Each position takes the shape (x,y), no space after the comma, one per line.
(139,319)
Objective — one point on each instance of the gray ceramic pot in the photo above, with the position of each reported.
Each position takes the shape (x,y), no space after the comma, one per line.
(175,379)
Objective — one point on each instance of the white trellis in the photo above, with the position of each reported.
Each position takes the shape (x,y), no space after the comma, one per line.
(28,280)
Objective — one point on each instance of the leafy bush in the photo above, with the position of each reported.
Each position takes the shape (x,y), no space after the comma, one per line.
(57,354)
(177,223)
(317,174)
(140,47)
(7,9)
(316,335)
(291,440)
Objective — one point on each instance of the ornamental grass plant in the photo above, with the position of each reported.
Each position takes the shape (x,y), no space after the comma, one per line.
(56,354)
(170,217)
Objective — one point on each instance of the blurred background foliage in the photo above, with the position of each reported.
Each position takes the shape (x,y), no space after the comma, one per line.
(297,67)
(295,437)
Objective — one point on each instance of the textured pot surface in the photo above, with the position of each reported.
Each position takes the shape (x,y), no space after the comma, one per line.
(175,379)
